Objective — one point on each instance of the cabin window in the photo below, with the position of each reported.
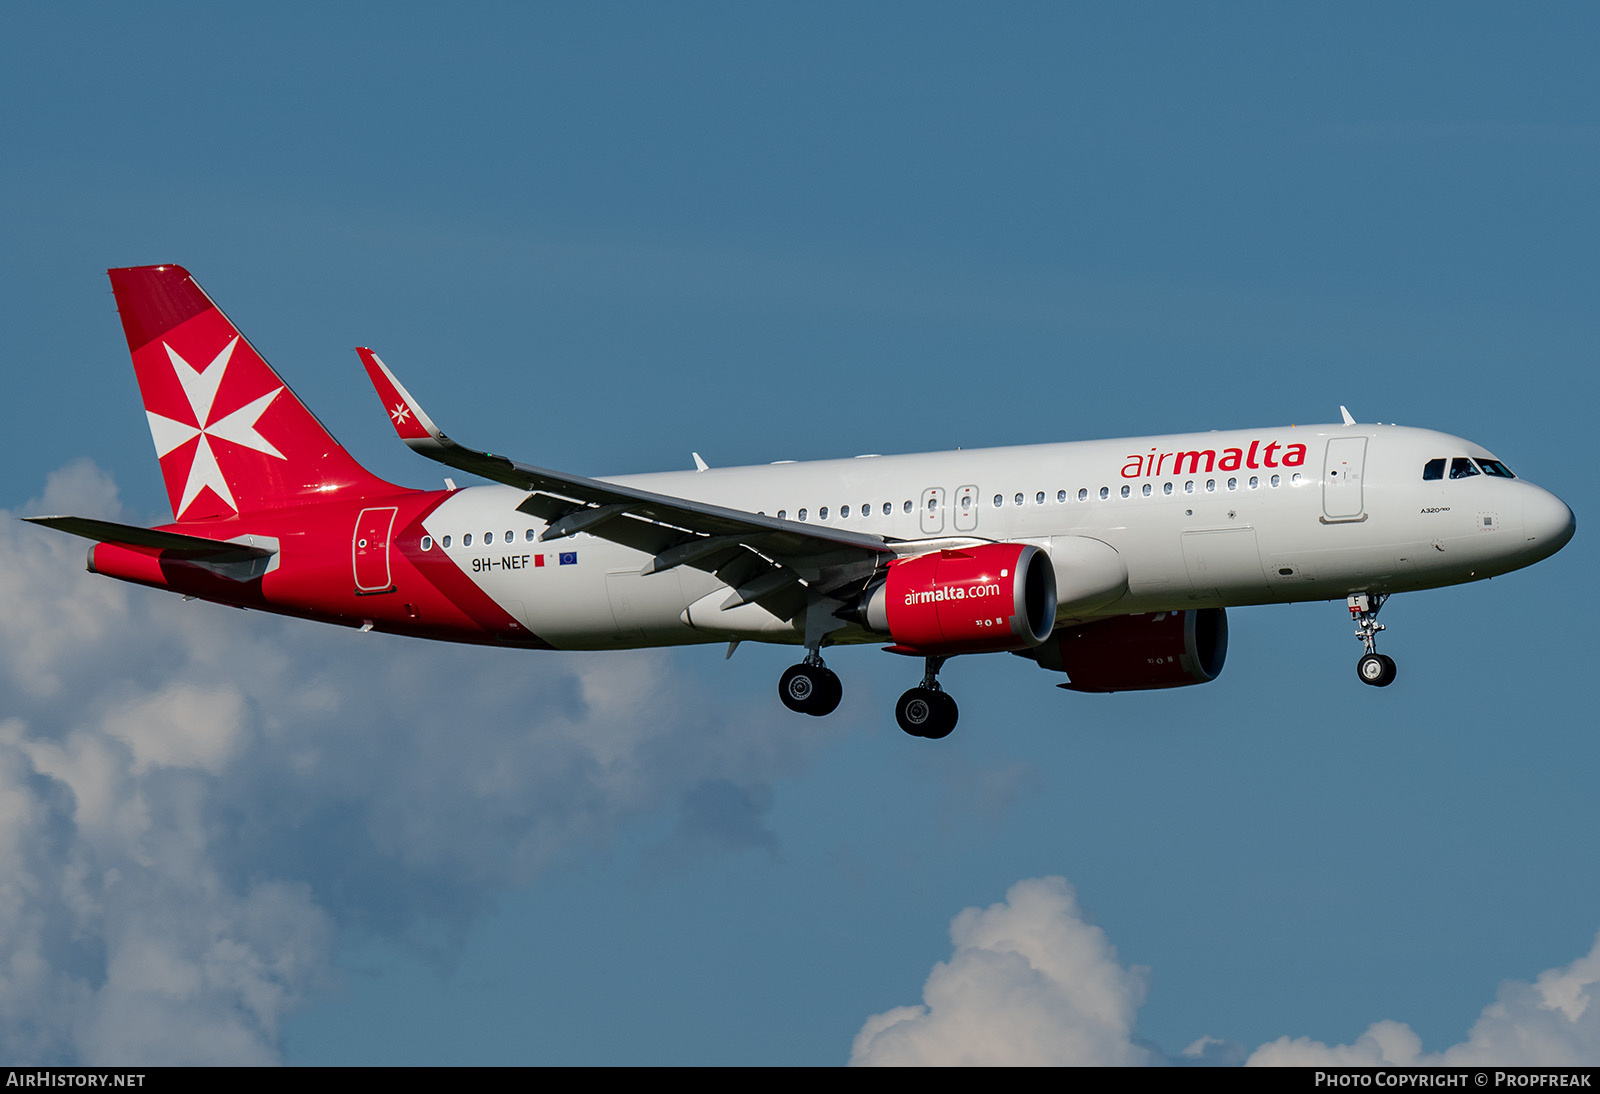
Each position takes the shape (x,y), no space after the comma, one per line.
(1295,479)
(488,538)
(1146,490)
(888,509)
(1433,469)
(1188,487)
(783,514)
(509,537)
(966,502)
(1276,479)
(427,543)
(1166,488)
(466,540)
(1061,496)
(844,511)
(529,536)
(1211,486)
(822,514)
(907,506)
(1018,499)
(1461,468)
(445,541)
(1233,484)
(1105,492)
(1255,481)
(999,501)
(1083,493)
(1126,491)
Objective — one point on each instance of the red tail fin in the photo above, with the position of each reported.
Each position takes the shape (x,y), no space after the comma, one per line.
(230,435)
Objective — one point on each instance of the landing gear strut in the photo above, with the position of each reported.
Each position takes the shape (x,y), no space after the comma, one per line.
(927,710)
(810,687)
(1374,668)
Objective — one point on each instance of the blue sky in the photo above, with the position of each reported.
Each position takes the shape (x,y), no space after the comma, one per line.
(600,237)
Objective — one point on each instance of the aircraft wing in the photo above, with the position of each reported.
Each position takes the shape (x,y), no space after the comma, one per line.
(763,559)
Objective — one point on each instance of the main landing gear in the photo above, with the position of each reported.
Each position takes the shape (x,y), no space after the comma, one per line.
(810,687)
(927,710)
(1374,668)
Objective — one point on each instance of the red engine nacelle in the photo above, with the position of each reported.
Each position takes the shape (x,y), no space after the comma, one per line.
(996,596)
(1139,652)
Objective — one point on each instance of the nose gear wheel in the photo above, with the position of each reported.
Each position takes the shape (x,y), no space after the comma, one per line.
(1374,668)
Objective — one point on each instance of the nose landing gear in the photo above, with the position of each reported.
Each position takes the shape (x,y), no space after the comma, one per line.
(927,710)
(1374,668)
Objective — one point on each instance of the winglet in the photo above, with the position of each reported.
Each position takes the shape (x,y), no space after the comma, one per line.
(409,420)
(1348,420)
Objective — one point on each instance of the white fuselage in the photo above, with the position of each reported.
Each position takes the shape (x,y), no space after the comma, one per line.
(1132,525)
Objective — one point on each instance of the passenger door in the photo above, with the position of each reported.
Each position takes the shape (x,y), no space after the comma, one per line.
(1341,479)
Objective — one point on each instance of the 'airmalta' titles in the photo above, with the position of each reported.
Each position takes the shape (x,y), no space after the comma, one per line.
(951,592)
(1206,460)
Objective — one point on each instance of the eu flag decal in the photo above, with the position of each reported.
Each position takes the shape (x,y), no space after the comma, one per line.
(569,558)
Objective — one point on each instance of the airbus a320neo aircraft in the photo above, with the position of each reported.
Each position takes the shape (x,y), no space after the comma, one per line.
(1109,561)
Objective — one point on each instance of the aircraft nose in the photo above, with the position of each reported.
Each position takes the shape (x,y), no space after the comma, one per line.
(1547,522)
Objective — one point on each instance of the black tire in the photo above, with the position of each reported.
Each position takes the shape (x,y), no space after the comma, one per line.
(797,687)
(810,689)
(1376,669)
(825,700)
(945,714)
(1389,670)
(923,712)
(914,711)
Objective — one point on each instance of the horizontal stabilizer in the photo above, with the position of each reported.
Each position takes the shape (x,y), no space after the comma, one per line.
(105,531)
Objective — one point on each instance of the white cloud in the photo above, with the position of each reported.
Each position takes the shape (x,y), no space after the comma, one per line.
(1030,982)
(193,799)
(185,725)
(1550,1022)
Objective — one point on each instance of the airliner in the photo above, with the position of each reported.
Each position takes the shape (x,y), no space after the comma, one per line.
(1110,563)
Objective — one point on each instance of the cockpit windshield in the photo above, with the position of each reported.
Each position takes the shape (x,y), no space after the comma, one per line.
(1463,468)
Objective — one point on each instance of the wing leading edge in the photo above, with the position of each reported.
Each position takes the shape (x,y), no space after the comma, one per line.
(778,564)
